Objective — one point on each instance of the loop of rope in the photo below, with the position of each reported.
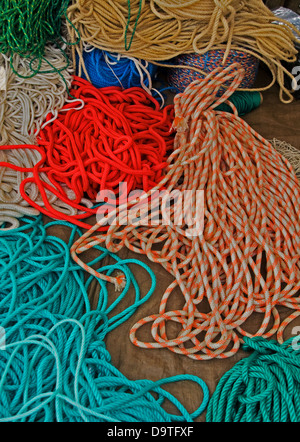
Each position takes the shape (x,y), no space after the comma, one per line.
(54,364)
(263,387)
(247,259)
(117,136)
(27,27)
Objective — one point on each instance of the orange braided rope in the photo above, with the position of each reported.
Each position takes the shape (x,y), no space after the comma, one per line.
(247,259)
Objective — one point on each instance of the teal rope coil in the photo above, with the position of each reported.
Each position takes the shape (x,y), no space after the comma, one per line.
(264,387)
(54,366)
(128,45)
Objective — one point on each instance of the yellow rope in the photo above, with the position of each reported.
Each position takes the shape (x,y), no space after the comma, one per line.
(168,28)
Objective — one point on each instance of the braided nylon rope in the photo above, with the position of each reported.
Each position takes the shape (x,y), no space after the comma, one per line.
(28,26)
(159,30)
(54,364)
(247,259)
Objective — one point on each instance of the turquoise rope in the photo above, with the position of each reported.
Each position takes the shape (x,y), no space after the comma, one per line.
(264,387)
(54,366)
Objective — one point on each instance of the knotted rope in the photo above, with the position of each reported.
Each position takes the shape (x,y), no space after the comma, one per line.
(291,153)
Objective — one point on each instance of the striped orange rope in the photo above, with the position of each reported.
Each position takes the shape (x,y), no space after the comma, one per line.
(247,259)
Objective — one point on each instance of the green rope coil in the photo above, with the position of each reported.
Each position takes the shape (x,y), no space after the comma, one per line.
(243,101)
(264,387)
(27,26)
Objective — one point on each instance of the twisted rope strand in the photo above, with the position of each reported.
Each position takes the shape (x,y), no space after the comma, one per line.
(54,364)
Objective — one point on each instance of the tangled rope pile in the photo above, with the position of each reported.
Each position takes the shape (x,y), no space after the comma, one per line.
(247,259)
(25,102)
(27,27)
(117,136)
(158,30)
(264,387)
(54,364)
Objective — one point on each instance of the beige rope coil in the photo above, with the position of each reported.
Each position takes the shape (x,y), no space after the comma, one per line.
(168,28)
(24,105)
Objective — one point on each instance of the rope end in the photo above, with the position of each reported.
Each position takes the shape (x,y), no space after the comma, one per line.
(120,282)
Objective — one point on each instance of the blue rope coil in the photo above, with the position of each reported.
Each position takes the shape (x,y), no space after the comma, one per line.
(54,365)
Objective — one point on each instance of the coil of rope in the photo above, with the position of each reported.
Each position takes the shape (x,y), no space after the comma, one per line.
(246,260)
(291,153)
(104,69)
(25,102)
(263,387)
(181,78)
(27,27)
(159,30)
(54,364)
(117,136)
